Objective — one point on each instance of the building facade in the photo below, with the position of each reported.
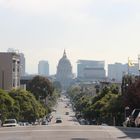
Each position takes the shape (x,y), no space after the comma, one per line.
(22,60)
(9,70)
(64,72)
(90,70)
(117,70)
(43,68)
(22,64)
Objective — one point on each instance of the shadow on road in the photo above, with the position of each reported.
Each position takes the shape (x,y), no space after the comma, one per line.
(133,133)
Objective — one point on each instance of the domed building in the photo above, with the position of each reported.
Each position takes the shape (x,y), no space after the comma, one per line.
(64,72)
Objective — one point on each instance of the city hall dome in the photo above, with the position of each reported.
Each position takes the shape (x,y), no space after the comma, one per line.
(64,61)
(64,71)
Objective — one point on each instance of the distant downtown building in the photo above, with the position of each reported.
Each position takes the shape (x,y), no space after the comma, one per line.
(91,70)
(117,70)
(9,70)
(22,64)
(43,68)
(64,72)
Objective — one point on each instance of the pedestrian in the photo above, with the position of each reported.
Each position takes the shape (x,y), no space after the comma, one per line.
(126,122)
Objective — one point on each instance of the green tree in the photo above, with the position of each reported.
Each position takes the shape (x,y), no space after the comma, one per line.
(127,80)
(41,87)
(6,104)
(26,107)
(106,106)
(132,95)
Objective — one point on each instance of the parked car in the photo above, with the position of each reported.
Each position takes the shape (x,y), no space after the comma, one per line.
(104,124)
(54,110)
(132,117)
(10,123)
(82,121)
(44,122)
(23,123)
(49,117)
(137,120)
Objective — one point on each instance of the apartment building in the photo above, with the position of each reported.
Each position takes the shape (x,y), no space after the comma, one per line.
(9,70)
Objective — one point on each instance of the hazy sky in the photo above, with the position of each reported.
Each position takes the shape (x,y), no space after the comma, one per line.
(88,29)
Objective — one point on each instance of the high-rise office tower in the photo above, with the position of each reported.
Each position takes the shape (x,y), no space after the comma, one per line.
(90,70)
(43,68)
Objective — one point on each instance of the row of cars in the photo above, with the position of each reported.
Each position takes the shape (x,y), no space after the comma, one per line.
(47,120)
(14,123)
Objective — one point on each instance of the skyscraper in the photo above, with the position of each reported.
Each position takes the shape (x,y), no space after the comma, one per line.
(43,68)
(64,72)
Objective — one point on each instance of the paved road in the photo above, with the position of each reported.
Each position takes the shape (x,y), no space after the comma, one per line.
(76,132)
(64,106)
(69,129)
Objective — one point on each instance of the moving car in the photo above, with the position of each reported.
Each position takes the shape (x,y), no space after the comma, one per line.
(58,120)
(10,123)
(67,113)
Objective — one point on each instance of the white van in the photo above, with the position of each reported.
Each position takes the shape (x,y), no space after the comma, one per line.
(10,123)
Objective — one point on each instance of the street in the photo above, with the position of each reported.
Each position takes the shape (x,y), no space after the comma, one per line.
(76,132)
(68,129)
(62,108)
